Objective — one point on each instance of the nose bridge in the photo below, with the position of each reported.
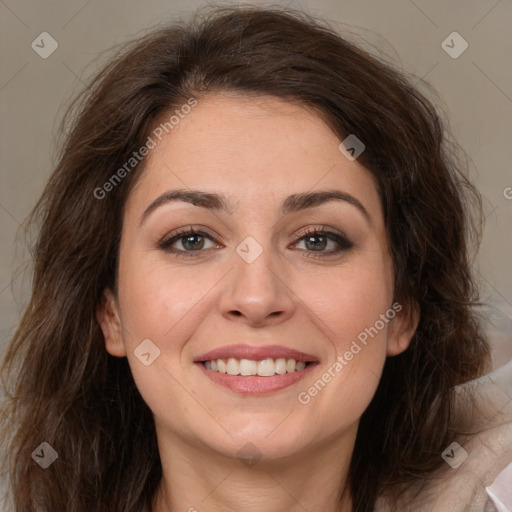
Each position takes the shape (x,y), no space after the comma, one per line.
(257,291)
(255,262)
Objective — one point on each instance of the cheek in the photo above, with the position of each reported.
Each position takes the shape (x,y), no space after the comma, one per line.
(349,302)
(163,304)
(157,299)
(354,309)
(165,307)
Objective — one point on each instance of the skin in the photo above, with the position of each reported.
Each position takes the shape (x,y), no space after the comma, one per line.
(255,151)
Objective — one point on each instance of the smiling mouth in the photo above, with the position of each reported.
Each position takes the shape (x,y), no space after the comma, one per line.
(268,367)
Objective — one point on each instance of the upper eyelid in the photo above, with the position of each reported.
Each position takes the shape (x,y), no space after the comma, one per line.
(189,230)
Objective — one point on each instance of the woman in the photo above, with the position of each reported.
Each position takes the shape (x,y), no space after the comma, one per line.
(252,286)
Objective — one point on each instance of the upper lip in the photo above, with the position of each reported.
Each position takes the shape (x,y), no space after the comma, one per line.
(257,353)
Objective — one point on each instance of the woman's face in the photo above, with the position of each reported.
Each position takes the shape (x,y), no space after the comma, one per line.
(254,278)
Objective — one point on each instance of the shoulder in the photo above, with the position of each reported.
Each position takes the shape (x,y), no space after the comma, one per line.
(472,463)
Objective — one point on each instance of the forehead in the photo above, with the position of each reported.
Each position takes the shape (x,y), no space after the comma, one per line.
(256,151)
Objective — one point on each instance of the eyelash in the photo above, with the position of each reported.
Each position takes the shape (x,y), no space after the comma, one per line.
(341,240)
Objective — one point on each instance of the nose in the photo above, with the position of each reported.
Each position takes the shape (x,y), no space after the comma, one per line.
(256,292)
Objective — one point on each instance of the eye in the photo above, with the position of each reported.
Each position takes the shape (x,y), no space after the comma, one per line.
(317,240)
(189,242)
(192,242)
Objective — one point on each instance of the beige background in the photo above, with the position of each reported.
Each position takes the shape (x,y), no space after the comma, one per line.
(475,90)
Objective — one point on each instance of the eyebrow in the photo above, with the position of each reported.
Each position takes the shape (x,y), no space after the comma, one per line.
(218,202)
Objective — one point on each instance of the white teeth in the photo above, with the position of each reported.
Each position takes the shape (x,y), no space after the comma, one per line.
(248,367)
(280,364)
(266,368)
(263,368)
(232,368)
(290,365)
(221,366)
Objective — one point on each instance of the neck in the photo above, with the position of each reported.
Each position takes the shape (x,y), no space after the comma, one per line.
(196,478)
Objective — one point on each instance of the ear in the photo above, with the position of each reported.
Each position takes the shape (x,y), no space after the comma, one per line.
(402,328)
(107,315)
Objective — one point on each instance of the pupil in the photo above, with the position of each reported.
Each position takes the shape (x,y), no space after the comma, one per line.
(189,239)
(320,245)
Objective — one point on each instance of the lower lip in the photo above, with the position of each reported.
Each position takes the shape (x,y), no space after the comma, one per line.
(254,384)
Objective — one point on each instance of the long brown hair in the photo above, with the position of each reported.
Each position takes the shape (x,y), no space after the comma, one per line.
(62,386)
